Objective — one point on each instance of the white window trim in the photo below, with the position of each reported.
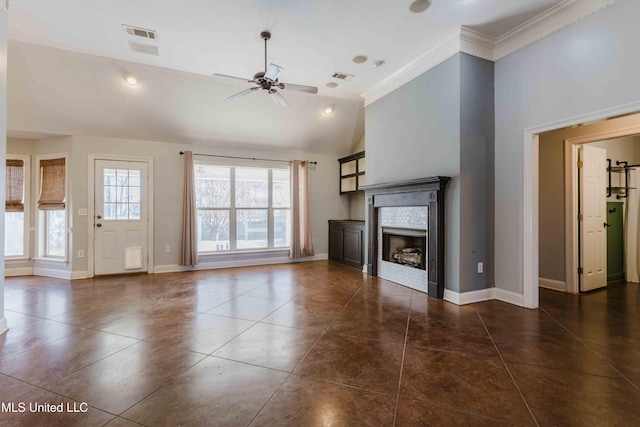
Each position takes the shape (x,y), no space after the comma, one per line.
(259,164)
(40,220)
(26,249)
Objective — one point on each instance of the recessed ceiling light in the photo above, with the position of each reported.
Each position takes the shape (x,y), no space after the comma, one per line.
(378,63)
(360,59)
(328,110)
(420,6)
(332,84)
(131,79)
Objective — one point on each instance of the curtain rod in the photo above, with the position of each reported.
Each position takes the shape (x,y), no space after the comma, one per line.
(244,158)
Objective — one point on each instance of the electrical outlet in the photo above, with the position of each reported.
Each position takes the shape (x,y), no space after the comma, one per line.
(80,253)
(167,248)
(480,267)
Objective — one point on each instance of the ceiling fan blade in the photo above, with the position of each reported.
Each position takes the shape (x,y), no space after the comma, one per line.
(278,99)
(226,77)
(272,72)
(243,93)
(299,88)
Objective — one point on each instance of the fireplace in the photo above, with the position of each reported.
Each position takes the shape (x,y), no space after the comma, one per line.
(406,221)
(405,246)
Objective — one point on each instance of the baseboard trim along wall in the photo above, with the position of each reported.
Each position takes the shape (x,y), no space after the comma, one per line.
(212,265)
(60,274)
(488,294)
(18,271)
(554,285)
(469,297)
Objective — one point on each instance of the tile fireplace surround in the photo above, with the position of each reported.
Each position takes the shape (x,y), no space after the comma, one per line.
(416,204)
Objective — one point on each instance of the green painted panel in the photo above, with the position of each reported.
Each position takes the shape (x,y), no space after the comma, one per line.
(615,241)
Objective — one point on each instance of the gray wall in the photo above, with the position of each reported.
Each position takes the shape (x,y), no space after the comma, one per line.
(414,132)
(587,67)
(476,172)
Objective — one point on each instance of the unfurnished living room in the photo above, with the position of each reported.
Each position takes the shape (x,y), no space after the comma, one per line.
(322,213)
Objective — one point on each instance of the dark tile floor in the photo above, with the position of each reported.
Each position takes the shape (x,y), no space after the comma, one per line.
(312,344)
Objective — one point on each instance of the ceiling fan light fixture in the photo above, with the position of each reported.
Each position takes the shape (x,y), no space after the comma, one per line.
(419,6)
(131,79)
(328,110)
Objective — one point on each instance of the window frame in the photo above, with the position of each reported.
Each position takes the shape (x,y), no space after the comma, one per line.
(26,247)
(232,209)
(41,222)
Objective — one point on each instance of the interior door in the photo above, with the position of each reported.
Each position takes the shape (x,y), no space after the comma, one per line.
(121,213)
(593,208)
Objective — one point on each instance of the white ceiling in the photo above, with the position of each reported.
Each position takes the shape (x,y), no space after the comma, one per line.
(81,89)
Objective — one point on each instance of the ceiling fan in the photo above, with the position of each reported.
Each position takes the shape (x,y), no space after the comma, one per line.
(268,80)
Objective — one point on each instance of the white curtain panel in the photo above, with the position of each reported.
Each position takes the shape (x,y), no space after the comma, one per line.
(189,230)
(301,241)
(632,262)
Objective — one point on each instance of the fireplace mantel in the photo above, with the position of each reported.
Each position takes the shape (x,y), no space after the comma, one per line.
(418,192)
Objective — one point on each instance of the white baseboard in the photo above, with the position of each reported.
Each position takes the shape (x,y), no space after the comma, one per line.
(76,275)
(212,265)
(554,285)
(463,298)
(51,272)
(18,271)
(510,297)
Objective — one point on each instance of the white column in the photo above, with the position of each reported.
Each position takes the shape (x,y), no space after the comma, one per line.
(4,24)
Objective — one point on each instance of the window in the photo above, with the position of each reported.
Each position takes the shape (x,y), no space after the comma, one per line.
(52,206)
(16,207)
(121,194)
(242,208)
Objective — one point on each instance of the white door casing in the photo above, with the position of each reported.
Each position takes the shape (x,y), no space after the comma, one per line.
(593,208)
(120,216)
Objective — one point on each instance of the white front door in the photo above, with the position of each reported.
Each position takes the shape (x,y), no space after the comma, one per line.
(121,214)
(593,208)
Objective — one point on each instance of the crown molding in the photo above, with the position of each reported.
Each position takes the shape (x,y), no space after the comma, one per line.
(469,41)
(548,22)
(428,60)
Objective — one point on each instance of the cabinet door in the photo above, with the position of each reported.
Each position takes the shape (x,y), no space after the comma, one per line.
(336,245)
(353,247)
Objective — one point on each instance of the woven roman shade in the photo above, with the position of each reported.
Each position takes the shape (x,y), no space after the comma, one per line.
(52,195)
(14,186)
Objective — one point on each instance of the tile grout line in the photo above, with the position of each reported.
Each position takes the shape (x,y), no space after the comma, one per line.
(604,359)
(508,370)
(404,351)
(303,357)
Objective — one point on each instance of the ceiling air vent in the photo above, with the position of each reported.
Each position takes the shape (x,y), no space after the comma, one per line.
(140,32)
(342,76)
(144,48)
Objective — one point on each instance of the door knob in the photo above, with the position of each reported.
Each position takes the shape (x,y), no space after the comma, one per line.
(99,216)
(606,224)
(98,225)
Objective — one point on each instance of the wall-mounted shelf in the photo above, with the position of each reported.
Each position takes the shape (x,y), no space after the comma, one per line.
(352,173)
(620,167)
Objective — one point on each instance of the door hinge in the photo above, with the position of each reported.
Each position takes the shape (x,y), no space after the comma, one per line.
(580,164)
(580,217)
(580,270)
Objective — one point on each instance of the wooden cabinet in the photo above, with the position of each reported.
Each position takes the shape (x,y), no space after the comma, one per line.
(346,242)
(352,173)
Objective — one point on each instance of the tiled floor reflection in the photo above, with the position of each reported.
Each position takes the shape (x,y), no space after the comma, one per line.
(313,344)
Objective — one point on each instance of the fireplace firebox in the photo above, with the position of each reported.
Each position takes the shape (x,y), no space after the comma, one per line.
(405,246)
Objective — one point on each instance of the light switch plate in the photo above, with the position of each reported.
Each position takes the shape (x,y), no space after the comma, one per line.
(82,212)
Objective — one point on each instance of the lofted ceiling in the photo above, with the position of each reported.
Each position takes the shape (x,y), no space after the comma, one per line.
(67,58)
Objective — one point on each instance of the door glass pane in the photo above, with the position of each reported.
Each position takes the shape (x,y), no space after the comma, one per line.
(252,188)
(281,188)
(213,230)
(213,186)
(13,233)
(282,228)
(251,226)
(122,196)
